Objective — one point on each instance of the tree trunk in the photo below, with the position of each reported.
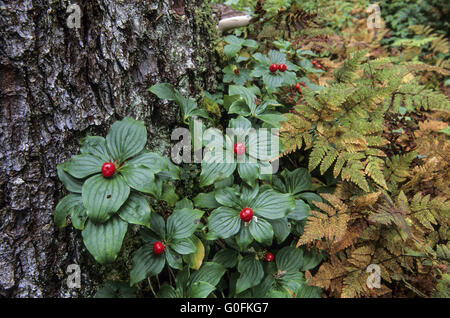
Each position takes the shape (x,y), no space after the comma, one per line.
(59,83)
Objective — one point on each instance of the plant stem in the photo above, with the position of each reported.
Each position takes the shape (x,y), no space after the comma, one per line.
(151,287)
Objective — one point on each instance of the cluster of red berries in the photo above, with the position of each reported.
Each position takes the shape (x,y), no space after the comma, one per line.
(269,257)
(280,67)
(239,148)
(236,71)
(246,214)
(108,169)
(319,66)
(297,86)
(158,248)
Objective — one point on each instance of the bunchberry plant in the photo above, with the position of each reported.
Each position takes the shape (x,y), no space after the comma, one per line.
(109,185)
(244,148)
(248,214)
(166,241)
(199,284)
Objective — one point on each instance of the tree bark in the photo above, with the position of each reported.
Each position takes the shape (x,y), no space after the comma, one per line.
(58,84)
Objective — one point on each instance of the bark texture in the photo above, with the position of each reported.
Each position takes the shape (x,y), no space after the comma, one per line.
(58,84)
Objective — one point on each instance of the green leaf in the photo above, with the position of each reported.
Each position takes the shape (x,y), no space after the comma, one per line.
(146,263)
(169,194)
(277,57)
(163,91)
(184,203)
(289,259)
(247,95)
(261,290)
(183,223)
(227,182)
(184,246)
(188,106)
(182,278)
(310,197)
(306,52)
(272,81)
(244,238)
(96,146)
(240,127)
(248,194)
(228,197)
(139,178)
(226,257)
(249,171)
(233,46)
(195,260)
(167,291)
(260,145)
(206,201)
(251,44)
(210,272)
(173,173)
(261,230)
(262,59)
(103,197)
(114,289)
(306,291)
(136,210)
(82,166)
(231,50)
(291,280)
(445,130)
(72,184)
(281,229)
(78,218)
(126,138)
(173,259)
(67,205)
(273,205)
(212,172)
(240,107)
(239,79)
(104,241)
(200,290)
(150,160)
(251,272)
(158,225)
(273,119)
(224,222)
(300,212)
(297,181)
(310,260)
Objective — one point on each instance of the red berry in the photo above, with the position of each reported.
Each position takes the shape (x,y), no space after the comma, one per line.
(236,71)
(314,62)
(282,67)
(158,247)
(246,214)
(108,169)
(319,66)
(273,68)
(299,90)
(239,148)
(269,257)
(297,86)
